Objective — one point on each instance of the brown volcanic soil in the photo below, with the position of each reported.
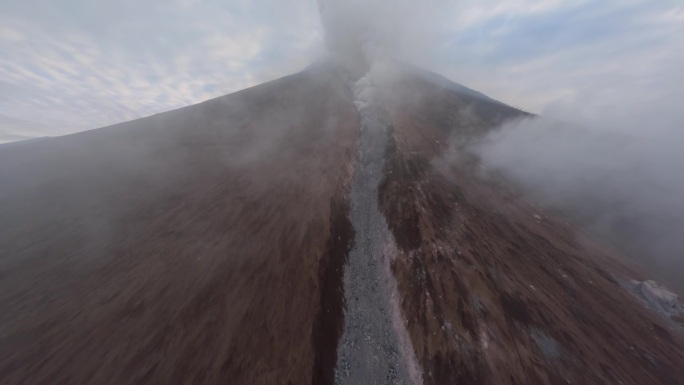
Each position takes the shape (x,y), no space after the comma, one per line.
(206,245)
(491,293)
(195,246)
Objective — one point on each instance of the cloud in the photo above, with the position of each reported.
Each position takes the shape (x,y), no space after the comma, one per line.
(476,13)
(401,29)
(625,185)
(120,62)
(572,50)
(607,150)
(12,129)
(8,137)
(87,64)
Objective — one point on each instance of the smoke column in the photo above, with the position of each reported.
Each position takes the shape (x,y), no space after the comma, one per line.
(622,182)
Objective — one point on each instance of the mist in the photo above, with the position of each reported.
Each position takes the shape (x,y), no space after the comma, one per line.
(358,32)
(606,154)
(619,175)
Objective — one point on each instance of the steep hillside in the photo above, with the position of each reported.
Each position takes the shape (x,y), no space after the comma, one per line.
(243,240)
(195,246)
(493,289)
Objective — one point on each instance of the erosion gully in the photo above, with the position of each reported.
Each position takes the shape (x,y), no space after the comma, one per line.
(374,347)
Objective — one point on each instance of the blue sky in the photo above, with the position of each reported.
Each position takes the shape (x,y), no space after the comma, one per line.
(74,65)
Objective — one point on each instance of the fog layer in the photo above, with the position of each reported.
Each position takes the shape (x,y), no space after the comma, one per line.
(358,31)
(622,181)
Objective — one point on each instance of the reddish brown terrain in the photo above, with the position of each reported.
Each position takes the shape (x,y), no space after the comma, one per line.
(207,246)
(193,247)
(494,290)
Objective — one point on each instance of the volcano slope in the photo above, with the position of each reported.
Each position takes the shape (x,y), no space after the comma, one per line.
(207,245)
(191,247)
(494,290)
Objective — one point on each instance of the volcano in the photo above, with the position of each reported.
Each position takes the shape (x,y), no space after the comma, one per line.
(315,229)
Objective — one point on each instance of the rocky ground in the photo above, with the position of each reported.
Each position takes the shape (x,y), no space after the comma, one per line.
(369,351)
(200,246)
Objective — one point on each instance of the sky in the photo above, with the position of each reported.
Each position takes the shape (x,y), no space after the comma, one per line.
(72,65)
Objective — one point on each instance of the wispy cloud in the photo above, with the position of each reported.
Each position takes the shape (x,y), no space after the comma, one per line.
(79,64)
(574,50)
(69,78)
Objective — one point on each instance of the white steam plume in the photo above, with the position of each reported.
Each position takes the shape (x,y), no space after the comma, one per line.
(622,176)
(357,31)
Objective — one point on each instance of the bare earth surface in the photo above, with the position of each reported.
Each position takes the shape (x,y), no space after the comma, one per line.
(221,243)
(494,290)
(193,247)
